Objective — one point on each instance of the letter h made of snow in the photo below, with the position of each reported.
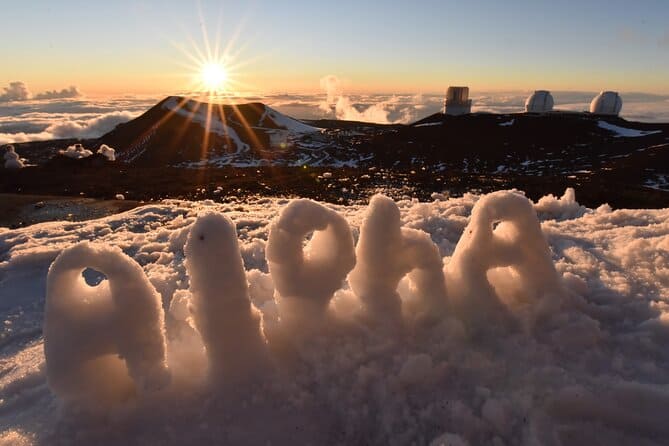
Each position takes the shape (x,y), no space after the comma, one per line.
(387,252)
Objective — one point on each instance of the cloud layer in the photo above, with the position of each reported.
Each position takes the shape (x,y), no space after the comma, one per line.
(66,114)
(61,117)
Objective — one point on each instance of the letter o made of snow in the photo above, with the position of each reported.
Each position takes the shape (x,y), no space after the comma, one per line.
(103,343)
(314,272)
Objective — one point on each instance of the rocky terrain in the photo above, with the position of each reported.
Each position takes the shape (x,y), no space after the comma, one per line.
(182,148)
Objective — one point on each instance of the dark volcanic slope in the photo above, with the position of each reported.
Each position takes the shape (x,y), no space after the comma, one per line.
(518,143)
(174,133)
(182,131)
(252,148)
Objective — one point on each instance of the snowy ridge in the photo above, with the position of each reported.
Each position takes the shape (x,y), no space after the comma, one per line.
(622,132)
(567,345)
(507,123)
(197,112)
(290,124)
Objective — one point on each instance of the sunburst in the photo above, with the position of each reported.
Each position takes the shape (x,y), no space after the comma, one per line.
(213,76)
(213,70)
(212,67)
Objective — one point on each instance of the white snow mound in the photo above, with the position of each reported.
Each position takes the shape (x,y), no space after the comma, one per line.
(76,151)
(107,152)
(12,159)
(472,320)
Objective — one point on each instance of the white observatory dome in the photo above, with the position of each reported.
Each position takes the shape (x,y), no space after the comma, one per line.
(541,101)
(606,103)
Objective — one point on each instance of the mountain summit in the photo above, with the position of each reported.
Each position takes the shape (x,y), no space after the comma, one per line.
(185,131)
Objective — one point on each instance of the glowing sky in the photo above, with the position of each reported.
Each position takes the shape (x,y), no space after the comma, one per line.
(122,46)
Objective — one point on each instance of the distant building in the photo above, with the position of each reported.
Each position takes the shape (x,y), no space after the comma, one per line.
(606,103)
(541,101)
(457,101)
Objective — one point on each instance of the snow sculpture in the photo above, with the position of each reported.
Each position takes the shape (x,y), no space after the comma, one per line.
(10,153)
(307,278)
(12,160)
(228,322)
(76,151)
(107,152)
(541,101)
(607,103)
(503,232)
(102,343)
(387,252)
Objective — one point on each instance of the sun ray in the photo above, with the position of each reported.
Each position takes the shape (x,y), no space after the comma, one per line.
(160,122)
(207,128)
(247,126)
(205,35)
(217,40)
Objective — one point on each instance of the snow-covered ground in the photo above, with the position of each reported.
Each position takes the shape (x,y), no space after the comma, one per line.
(540,332)
(623,132)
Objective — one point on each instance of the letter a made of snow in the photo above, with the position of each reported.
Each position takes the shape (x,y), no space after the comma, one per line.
(502,255)
(102,343)
(306,278)
(228,322)
(386,252)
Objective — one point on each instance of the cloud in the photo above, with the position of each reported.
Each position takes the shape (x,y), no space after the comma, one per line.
(90,128)
(71,92)
(38,120)
(17,91)
(387,111)
(72,128)
(333,90)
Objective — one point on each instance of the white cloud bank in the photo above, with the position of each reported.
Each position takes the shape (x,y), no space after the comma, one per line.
(72,127)
(576,354)
(18,91)
(30,119)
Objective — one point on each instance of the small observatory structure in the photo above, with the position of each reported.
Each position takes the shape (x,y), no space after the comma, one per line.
(541,101)
(457,101)
(608,103)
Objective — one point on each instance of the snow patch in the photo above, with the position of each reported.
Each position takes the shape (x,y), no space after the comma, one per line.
(507,123)
(107,152)
(622,132)
(12,159)
(428,124)
(290,124)
(562,208)
(76,151)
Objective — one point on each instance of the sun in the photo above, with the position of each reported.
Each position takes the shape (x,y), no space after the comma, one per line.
(212,68)
(213,76)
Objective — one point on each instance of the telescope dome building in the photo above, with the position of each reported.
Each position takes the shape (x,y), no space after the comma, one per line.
(607,103)
(541,101)
(457,101)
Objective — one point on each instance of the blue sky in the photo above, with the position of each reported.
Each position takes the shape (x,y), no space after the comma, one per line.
(130,46)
